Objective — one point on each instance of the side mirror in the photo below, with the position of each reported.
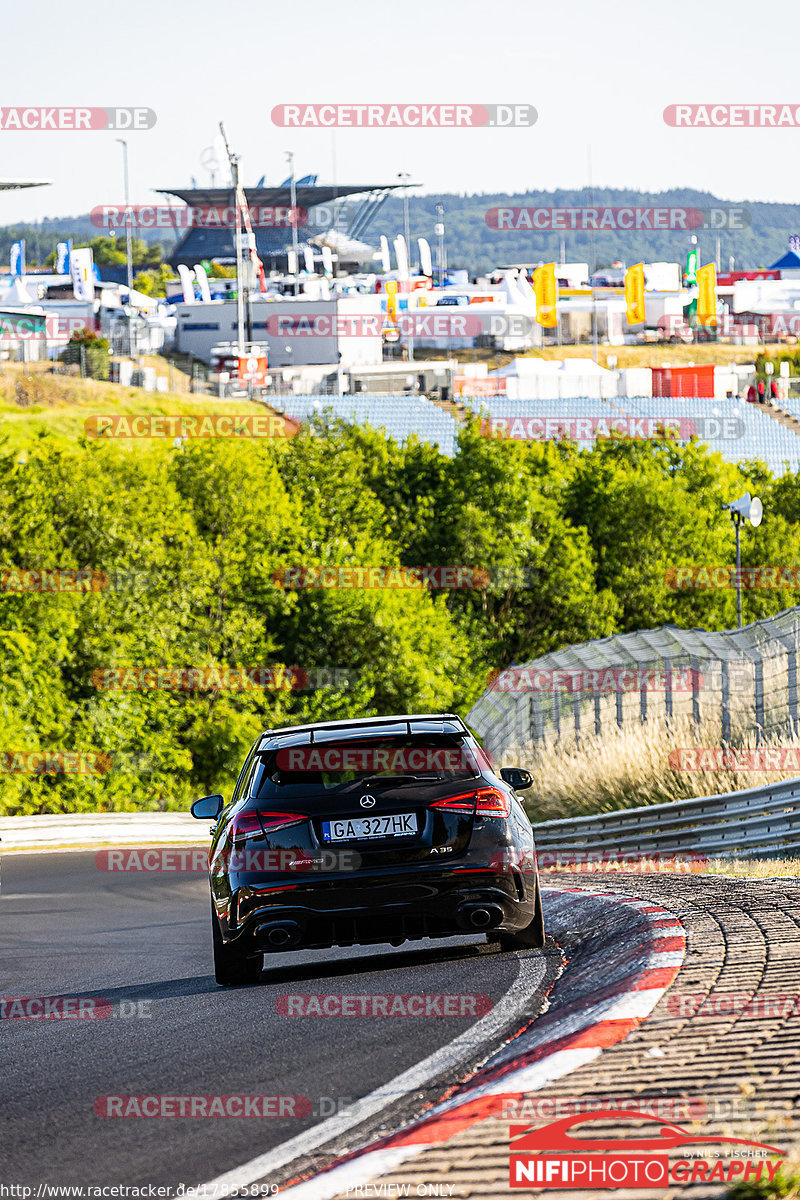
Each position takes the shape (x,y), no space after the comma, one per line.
(208,808)
(516,777)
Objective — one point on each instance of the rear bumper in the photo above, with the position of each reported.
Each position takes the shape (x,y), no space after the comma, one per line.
(374,909)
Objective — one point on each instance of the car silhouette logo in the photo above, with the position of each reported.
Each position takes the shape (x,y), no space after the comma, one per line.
(367,802)
(556,1135)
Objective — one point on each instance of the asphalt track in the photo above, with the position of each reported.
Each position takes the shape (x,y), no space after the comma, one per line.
(141,943)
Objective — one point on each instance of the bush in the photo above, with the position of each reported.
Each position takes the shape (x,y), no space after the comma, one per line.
(90,352)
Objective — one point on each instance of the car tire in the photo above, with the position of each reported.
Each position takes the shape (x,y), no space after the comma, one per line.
(231,967)
(532,937)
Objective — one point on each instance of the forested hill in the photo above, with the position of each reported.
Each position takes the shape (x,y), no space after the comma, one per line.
(471,243)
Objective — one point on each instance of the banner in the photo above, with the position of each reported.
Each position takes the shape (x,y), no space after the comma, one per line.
(401,254)
(391,300)
(425,261)
(707,295)
(81,264)
(386,262)
(546,292)
(634,295)
(187,283)
(202,280)
(17,258)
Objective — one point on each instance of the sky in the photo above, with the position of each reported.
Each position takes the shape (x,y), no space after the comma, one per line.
(599,78)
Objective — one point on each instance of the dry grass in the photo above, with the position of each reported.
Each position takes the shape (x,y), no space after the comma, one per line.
(33,403)
(677,354)
(628,767)
(755,868)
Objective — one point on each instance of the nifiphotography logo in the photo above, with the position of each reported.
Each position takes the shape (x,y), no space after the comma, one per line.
(552,1157)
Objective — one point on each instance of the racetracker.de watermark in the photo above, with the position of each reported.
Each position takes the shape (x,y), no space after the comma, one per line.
(551,1108)
(588,429)
(583,680)
(54,762)
(402,760)
(214,425)
(759,1006)
(71,1008)
(54,119)
(220,679)
(419,323)
(428,1004)
(620,218)
(732,116)
(194,860)
(432,578)
(725,758)
(769,579)
(272,1107)
(52,580)
(194,216)
(404,116)
(588,861)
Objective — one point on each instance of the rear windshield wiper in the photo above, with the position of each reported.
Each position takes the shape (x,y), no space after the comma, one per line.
(372,779)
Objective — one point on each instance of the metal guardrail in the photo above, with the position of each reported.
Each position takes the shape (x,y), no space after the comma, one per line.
(761,822)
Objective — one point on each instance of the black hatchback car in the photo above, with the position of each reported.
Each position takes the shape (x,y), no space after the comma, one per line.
(367,831)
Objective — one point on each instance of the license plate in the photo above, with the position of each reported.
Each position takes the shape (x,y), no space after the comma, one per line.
(351,828)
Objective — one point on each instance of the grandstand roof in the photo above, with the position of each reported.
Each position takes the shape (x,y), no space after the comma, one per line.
(7,185)
(305,197)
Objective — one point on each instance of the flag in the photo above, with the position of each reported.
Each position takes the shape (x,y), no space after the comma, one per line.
(707,295)
(634,295)
(202,282)
(327,261)
(385,260)
(691,267)
(81,264)
(401,254)
(187,283)
(391,299)
(62,258)
(425,262)
(546,292)
(17,258)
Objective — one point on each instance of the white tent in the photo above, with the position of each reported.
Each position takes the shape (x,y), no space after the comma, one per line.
(18,295)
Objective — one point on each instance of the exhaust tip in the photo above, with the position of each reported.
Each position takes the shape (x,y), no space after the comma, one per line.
(480,916)
(280,936)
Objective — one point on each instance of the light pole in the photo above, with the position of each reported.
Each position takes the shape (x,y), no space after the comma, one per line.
(439,231)
(293,202)
(233,160)
(746,508)
(404,175)
(128,245)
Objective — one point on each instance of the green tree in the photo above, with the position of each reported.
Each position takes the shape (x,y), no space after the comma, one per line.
(154,282)
(88,350)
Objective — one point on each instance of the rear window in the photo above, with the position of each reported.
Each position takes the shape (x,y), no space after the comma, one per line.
(335,766)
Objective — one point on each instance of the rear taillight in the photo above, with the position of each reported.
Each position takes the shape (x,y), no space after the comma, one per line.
(493,803)
(488,801)
(464,802)
(255,823)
